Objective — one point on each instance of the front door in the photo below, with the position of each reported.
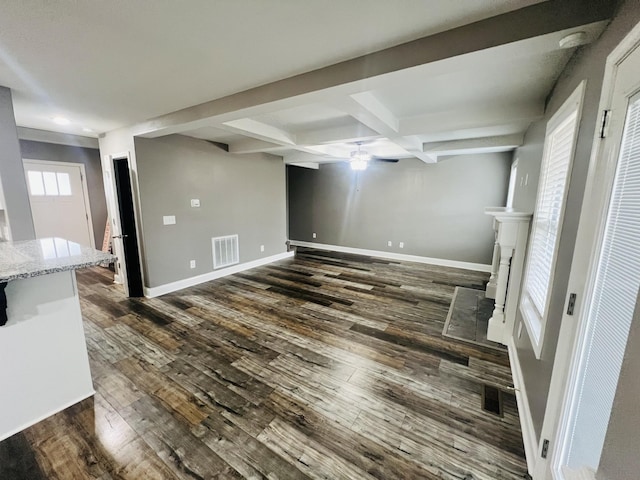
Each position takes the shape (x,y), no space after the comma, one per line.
(59,202)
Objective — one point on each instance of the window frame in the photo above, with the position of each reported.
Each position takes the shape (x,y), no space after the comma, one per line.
(535,322)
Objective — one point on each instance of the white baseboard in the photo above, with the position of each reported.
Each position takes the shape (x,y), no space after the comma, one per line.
(526,421)
(151,292)
(479,267)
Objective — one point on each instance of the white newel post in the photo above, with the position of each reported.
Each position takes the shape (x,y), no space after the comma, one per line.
(496,322)
(495,263)
(512,229)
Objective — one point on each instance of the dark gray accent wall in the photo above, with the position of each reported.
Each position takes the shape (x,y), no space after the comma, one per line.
(239,194)
(90,158)
(436,210)
(17,209)
(587,64)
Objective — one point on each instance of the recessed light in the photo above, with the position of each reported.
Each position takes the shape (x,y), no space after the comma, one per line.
(61,120)
(88,130)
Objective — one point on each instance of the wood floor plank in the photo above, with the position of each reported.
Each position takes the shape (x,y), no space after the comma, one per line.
(325,366)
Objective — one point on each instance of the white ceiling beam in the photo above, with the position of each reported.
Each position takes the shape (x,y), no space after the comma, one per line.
(261,131)
(304,157)
(474,145)
(501,143)
(340,134)
(306,139)
(253,145)
(526,23)
(369,110)
(413,145)
(471,118)
(375,107)
(48,136)
(311,165)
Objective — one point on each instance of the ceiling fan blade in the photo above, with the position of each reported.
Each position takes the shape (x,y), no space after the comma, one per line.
(386,160)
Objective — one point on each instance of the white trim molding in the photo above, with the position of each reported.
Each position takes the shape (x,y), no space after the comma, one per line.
(151,292)
(442,262)
(524,411)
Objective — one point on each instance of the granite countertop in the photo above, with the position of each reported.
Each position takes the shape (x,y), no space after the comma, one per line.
(31,258)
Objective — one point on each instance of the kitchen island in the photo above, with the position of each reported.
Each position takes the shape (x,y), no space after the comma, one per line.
(43,354)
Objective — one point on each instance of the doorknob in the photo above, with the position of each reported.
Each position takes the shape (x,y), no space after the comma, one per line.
(120,236)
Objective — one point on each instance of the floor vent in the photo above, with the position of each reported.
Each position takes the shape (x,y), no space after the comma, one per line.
(492,400)
(225,251)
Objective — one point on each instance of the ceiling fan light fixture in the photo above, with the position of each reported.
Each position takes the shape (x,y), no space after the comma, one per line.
(359,159)
(358,165)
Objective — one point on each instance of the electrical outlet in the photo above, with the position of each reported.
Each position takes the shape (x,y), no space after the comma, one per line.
(314,234)
(401,244)
(192,264)
(262,248)
(389,243)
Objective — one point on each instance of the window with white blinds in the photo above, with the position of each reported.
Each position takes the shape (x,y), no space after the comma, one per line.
(612,305)
(547,219)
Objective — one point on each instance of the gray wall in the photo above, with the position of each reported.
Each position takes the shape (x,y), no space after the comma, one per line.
(436,210)
(620,459)
(587,64)
(14,186)
(238,194)
(90,158)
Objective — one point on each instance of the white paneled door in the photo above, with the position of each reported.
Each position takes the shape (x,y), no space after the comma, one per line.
(59,201)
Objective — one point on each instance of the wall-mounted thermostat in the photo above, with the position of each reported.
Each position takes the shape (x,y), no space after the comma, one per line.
(195,202)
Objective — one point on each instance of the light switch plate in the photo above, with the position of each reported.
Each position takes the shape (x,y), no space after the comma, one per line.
(195,202)
(169,220)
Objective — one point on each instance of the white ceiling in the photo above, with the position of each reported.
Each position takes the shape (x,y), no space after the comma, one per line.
(106,65)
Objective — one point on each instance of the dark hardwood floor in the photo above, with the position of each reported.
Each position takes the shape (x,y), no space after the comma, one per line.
(328,366)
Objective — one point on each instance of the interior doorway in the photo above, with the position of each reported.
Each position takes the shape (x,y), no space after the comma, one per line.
(127,237)
(59,200)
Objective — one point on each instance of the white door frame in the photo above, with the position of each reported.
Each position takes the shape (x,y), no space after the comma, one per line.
(113,209)
(85,190)
(573,332)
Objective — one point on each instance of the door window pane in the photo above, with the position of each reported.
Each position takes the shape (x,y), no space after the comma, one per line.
(50,183)
(35,182)
(64,185)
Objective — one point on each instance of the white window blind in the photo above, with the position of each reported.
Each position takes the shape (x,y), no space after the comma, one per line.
(612,303)
(547,218)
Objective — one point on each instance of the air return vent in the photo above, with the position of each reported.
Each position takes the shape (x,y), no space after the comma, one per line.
(225,251)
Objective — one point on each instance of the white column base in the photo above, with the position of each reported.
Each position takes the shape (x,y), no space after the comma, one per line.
(491,290)
(495,332)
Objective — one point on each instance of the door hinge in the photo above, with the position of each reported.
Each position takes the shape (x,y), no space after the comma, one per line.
(604,125)
(572,304)
(545,448)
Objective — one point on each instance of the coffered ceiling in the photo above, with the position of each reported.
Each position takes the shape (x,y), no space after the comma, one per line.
(304,80)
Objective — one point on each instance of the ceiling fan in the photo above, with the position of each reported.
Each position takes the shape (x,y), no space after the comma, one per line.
(359,159)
